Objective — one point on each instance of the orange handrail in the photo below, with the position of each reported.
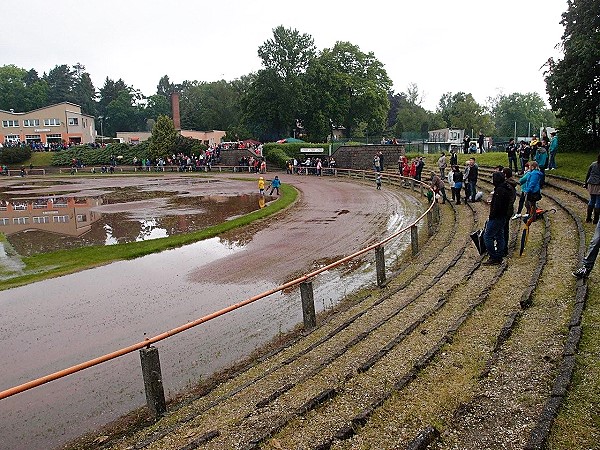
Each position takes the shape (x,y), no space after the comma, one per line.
(159,337)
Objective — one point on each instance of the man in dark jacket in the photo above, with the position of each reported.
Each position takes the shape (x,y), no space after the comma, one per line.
(493,237)
(512,185)
(471,178)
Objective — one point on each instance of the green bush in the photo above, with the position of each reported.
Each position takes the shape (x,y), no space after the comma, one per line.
(189,146)
(14,155)
(279,154)
(101,156)
(276,156)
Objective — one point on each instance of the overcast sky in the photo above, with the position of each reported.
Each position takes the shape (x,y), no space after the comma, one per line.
(481,47)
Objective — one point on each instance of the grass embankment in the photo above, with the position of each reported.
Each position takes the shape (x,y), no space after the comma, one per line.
(62,262)
(569,165)
(39,159)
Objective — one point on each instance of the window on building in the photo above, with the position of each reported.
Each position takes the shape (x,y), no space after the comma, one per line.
(32,138)
(4,221)
(31,122)
(20,220)
(53,138)
(73,121)
(19,206)
(51,122)
(59,202)
(81,218)
(60,219)
(12,138)
(44,219)
(10,123)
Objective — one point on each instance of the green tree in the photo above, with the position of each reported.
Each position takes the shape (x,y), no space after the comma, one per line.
(21,90)
(461,111)
(164,138)
(122,108)
(210,106)
(289,53)
(573,83)
(276,97)
(527,111)
(61,82)
(349,88)
(410,116)
(84,94)
(165,88)
(109,92)
(157,105)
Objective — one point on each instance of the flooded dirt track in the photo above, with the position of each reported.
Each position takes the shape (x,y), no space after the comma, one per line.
(53,324)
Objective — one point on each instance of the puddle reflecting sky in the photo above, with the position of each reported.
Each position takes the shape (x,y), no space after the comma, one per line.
(38,224)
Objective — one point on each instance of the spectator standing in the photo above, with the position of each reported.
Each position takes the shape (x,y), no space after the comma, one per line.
(511,151)
(541,157)
(376,163)
(493,236)
(553,148)
(442,165)
(592,183)
(471,178)
(275,185)
(480,141)
(419,168)
(587,264)
(466,144)
(533,187)
(261,185)
(524,154)
(523,182)
(437,185)
(453,158)
(512,185)
(457,182)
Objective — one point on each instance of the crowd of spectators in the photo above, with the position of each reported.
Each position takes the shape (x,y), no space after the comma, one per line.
(311,166)
(45,146)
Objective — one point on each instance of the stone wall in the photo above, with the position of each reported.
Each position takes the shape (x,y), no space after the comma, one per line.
(361,157)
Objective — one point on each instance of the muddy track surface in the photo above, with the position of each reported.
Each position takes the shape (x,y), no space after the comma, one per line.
(449,355)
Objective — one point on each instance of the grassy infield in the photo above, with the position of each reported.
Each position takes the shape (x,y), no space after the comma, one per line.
(578,423)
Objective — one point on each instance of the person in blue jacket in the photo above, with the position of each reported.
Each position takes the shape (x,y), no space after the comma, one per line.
(532,185)
(275,184)
(541,157)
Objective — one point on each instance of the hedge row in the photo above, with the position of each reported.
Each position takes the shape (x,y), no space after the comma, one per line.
(14,155)
(123,153)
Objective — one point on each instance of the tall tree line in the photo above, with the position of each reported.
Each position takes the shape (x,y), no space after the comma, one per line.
(299,90)
(573,82)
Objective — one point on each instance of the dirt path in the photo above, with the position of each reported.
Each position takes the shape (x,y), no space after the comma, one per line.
(50,325)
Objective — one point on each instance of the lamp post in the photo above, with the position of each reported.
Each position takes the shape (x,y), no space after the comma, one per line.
(101,118)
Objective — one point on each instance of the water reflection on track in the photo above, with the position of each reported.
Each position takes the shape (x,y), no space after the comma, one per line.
(60,322)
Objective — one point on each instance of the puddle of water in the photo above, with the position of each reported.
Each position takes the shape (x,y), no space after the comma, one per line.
(52,222)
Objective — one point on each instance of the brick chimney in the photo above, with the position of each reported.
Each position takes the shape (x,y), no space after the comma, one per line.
(175,110)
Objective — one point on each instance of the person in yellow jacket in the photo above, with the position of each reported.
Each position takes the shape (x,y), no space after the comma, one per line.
(261,185)
(533,143)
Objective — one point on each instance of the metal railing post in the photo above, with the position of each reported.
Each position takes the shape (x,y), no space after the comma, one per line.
(380,265)
(414,239)
(155,394)
(308,305)
(436,213)
(430,222)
